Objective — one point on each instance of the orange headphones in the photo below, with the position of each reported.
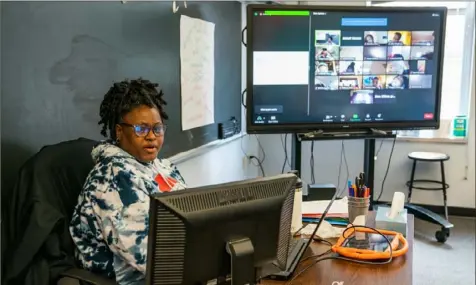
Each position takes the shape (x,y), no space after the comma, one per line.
(398,245)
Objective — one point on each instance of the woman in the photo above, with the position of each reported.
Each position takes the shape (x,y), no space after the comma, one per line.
(369,39)
(110,223)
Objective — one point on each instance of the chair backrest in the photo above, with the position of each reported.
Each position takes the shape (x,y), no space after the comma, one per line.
(65,166)
(49,184)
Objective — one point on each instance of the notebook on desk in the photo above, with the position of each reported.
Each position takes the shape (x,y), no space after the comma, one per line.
(297,248)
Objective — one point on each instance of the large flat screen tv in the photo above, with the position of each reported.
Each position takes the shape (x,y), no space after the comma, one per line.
(343,68)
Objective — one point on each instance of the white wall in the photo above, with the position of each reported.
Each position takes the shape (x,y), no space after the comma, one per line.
(222,164)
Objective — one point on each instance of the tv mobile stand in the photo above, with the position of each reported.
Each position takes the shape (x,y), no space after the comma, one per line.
(369,167)
(369,135)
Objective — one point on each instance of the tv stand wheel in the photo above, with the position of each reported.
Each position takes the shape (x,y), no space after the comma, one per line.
(442,235)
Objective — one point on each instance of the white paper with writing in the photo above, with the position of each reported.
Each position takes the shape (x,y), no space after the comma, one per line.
(197,68)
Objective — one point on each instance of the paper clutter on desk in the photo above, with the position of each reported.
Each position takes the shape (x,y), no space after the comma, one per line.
(326,230)
(314,209)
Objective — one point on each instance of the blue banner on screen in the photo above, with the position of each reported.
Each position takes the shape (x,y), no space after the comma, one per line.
(361,22)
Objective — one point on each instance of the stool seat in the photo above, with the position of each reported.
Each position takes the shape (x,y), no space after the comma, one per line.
(428,156)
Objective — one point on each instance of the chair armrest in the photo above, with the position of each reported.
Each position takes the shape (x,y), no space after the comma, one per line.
(87,276)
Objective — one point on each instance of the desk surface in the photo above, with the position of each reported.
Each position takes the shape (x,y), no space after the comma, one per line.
(337,272)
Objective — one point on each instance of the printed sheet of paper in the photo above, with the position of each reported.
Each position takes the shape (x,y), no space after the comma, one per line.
(197,68)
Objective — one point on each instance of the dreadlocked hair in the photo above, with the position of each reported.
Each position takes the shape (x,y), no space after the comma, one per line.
(124,96)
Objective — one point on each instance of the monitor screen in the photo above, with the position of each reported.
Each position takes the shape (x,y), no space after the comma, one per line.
(312,67)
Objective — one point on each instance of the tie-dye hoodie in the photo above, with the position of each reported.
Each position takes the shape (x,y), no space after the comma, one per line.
(111,221)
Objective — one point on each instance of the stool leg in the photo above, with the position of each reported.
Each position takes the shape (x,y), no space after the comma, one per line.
(410,187)
(443,181)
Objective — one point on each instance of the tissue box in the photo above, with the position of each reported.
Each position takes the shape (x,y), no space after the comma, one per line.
(399,224)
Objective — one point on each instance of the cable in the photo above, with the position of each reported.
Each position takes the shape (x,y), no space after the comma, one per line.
(253,157)
(311,162)
(284,143)
(261,148)
(386,171)
(338,257)
(379,148)
(260,164)
(243,98)
(243,35)
(343,157)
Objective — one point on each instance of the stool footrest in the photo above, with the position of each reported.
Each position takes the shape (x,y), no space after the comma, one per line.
(427,187)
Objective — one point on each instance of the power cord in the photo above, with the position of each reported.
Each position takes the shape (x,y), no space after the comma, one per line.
(386,171)
(338,257)
(343,157)
(311,163)
(284,143)
(259,164)
(243,98)
(243,35)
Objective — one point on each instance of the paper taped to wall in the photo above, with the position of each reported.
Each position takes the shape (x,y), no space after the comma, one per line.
(197,72)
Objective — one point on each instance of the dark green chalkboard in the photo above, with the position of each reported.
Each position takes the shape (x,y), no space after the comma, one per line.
(59,58)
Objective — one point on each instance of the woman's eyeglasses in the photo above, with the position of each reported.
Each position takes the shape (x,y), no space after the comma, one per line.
(144,130)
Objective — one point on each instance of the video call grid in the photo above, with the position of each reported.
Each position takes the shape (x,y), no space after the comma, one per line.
(383,60)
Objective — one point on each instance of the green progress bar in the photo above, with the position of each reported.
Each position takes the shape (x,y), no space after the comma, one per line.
(286,13)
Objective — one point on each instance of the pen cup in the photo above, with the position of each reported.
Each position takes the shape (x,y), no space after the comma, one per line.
(357,207)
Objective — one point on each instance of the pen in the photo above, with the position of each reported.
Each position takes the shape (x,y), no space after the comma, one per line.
(351,190)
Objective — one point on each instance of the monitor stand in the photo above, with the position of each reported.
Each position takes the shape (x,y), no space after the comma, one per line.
(242,261)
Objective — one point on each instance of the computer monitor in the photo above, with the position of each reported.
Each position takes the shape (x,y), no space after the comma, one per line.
(343,68)
(221,233)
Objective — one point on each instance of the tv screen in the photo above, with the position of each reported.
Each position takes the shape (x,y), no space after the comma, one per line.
(314,67)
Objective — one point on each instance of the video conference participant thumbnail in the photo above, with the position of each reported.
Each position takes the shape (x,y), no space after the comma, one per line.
(351,53)
(420,81)
(375,38)
(374,82)
(350,67)
(375,53)
(374,67)
(326,83)
(417,66)
(398,67)
(399,38)
(362,97)
(326,68)
(422,52)
(350,82)
(326,52)
(398,52)
(324,37)
(397,82)
(423,38)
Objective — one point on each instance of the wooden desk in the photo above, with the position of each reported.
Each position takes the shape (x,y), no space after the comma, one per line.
(399,271)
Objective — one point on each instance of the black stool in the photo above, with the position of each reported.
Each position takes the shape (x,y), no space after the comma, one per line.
(421,212)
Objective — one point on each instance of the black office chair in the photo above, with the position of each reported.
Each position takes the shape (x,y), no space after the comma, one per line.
(440,185)
(40,250)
